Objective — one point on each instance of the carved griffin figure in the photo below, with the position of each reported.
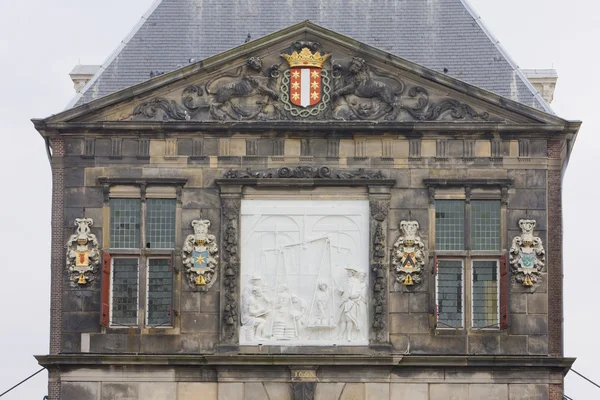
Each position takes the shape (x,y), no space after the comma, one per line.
(359,82)
(200,255)
(408,258)
(527,255)
(83,254)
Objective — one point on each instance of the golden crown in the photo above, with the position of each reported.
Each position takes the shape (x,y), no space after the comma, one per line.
(306,58)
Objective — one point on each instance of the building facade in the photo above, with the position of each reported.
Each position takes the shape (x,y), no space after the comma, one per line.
(306,216)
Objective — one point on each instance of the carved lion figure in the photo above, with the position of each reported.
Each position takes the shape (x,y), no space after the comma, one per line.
(250,83)
(361,84)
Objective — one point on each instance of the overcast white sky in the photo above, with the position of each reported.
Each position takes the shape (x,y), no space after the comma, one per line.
(40,42)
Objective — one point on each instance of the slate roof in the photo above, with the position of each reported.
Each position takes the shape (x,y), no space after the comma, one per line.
(439,34)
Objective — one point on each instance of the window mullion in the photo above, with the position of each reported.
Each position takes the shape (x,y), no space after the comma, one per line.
(468,221)
(143,270)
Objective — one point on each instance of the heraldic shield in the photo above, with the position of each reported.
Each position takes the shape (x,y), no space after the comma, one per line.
(305,77)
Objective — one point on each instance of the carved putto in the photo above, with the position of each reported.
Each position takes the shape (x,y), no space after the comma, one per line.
(408,258)
(527,255)
(200,255)
(82,253)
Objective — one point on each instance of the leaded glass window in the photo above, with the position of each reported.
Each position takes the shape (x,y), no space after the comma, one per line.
(124,310)
(160,291)
(125,223)
(450,224)
(485,225)
(160,223)
(450,293)
(485,294)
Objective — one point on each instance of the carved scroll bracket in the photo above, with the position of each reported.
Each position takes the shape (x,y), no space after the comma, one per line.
(379,204)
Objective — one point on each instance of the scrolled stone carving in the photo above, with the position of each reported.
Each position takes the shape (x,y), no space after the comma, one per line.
(527,254)
(408,259)
(423,110)
(200,255)
(170,108)
(379,209)
(83,255)
(303,172)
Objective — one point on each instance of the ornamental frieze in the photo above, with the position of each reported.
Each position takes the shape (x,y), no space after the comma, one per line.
(527,254)
(305,83)
(408,259)
(200,255)
(304,172)
(83,256)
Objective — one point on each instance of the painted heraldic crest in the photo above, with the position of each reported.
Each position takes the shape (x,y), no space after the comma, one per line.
(305,87)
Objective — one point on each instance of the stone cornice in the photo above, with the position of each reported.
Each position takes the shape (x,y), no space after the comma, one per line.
(391,360)
(409,129)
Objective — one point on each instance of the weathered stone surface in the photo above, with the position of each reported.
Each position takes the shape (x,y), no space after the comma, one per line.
(537,303)
(329,391)
(517,303)
(79,391)
(427,344)
(81,322)
(231,391)
(160,344)
(129,148)
(519,177)
(416,177)
(84,197)
(538,148)
(484,344)
(418,302)
(277,390)
(74,177)
(197,391)
(527,392)
(536,178)
(400,342)
(199,322)
(534,199)
(511,344)
(71,342)
(210,301)
(210,147)
(185,147)
(445,391)
(201,198)
(73,146)
(254,391)
(377,391)
(121,391)
(409,198)
(114,343)
(412,391)
(190,301)
(538,344)
(353,391)
(527,324)
(488,392)
(409,323)
(399,302)
(158,390)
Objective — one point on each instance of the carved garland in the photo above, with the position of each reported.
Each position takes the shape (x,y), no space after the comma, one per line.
(231,266)
(379,212)
(304,172)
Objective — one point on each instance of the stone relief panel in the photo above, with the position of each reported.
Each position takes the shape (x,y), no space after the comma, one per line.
(408,258)
(527,254)
(305,83)
(201,255)
(304,278)
(83,255)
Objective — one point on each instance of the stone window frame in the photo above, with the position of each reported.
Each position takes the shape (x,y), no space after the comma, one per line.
(467,190)
(139,188)
(231,192)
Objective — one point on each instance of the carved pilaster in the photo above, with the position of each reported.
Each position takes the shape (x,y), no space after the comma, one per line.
(230,208)
(379,274)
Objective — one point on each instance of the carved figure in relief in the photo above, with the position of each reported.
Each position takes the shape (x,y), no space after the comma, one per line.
(298,312)
(408,259)
(284,324)
(256,310)
(227,99)
(83,254)
(351,306)
(200,255)
(527,254)
(361,84)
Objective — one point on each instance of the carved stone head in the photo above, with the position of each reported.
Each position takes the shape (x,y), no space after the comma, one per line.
(357,64)
(527,226)
(201,226)
(409,229)
(83,229)
(254,63)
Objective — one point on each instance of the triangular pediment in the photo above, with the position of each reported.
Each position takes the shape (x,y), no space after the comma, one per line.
(325,77)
